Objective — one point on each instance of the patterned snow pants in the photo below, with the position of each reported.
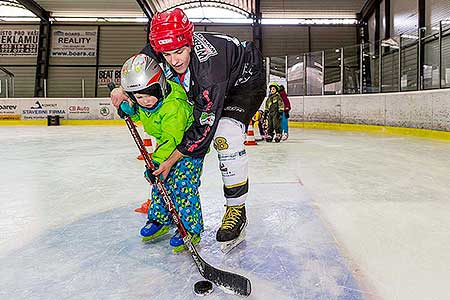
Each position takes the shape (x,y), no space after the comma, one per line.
(182,183)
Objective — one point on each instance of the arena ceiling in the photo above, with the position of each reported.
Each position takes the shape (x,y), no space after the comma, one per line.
(247,8)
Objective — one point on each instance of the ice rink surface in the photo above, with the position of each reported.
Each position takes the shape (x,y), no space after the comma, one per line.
(333,215)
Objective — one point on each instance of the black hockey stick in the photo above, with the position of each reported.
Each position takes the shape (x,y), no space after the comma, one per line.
(234,282)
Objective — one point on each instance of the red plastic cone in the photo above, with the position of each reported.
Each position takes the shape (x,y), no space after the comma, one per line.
(250,139)
(144,207)
(148,145)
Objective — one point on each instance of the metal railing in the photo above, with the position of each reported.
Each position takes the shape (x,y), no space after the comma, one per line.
(418,60)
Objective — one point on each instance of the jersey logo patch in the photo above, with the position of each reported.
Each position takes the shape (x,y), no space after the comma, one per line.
(220,143)
(203,49)
(234,108)
(207,118)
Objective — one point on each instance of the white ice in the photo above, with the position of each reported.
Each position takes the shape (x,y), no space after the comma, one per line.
(333,215)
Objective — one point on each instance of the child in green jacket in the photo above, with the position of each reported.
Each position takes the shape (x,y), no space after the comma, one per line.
(274,109)
(164,112)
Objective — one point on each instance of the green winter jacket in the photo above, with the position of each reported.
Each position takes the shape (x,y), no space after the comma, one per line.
(274,103)
(168,123)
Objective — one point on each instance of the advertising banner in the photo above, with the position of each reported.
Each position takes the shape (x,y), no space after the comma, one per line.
(106,76)
(65,108)
(90,109)
(39,109)
(74,43)
(15,42)
(9,110)
(106,111)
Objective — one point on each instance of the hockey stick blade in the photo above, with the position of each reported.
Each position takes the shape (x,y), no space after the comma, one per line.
(236,283)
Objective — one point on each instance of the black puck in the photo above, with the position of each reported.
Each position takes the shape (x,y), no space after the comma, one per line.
(203,287)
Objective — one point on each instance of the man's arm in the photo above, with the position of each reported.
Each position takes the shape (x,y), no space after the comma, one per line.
(164,167)
(118,95)
(208,108)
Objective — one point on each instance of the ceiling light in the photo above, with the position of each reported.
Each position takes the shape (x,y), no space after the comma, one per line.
(312,21)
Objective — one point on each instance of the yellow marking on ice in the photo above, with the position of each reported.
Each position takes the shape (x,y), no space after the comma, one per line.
(62,122)
(426,133)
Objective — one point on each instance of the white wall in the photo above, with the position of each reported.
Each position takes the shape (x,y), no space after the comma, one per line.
(425,109)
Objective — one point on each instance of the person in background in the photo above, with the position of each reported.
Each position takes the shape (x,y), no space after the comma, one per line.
(257,125)
(274,110)
(285,116)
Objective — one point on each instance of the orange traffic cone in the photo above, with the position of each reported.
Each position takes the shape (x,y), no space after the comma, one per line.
(144,207)
(148,145)
(250,139)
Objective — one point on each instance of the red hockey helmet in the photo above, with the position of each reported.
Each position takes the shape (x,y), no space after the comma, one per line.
(170,31)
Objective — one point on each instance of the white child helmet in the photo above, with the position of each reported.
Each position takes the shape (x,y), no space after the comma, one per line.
(142,74)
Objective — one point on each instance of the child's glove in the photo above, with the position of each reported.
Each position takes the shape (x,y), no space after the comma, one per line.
(286,113)
(125,110)
(148,174)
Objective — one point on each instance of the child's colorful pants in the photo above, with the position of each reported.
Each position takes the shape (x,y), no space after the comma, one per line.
(182,183)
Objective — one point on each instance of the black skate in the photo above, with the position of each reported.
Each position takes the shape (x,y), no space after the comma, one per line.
(269,139)
(232,231)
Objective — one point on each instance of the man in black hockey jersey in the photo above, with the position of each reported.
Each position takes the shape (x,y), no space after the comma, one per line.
(225,81)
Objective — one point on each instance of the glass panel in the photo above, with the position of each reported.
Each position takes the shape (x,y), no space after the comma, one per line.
(431,65)
(390,65)
(296,80)
(371,68)
(314,73)
(351,70)
(278,70)
(399,67)
(445,54)
(333,72)
(409,62)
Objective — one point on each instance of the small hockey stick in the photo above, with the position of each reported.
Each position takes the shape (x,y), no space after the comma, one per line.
(236,283)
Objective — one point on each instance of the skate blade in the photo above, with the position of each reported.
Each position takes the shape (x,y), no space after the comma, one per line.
(226,247)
